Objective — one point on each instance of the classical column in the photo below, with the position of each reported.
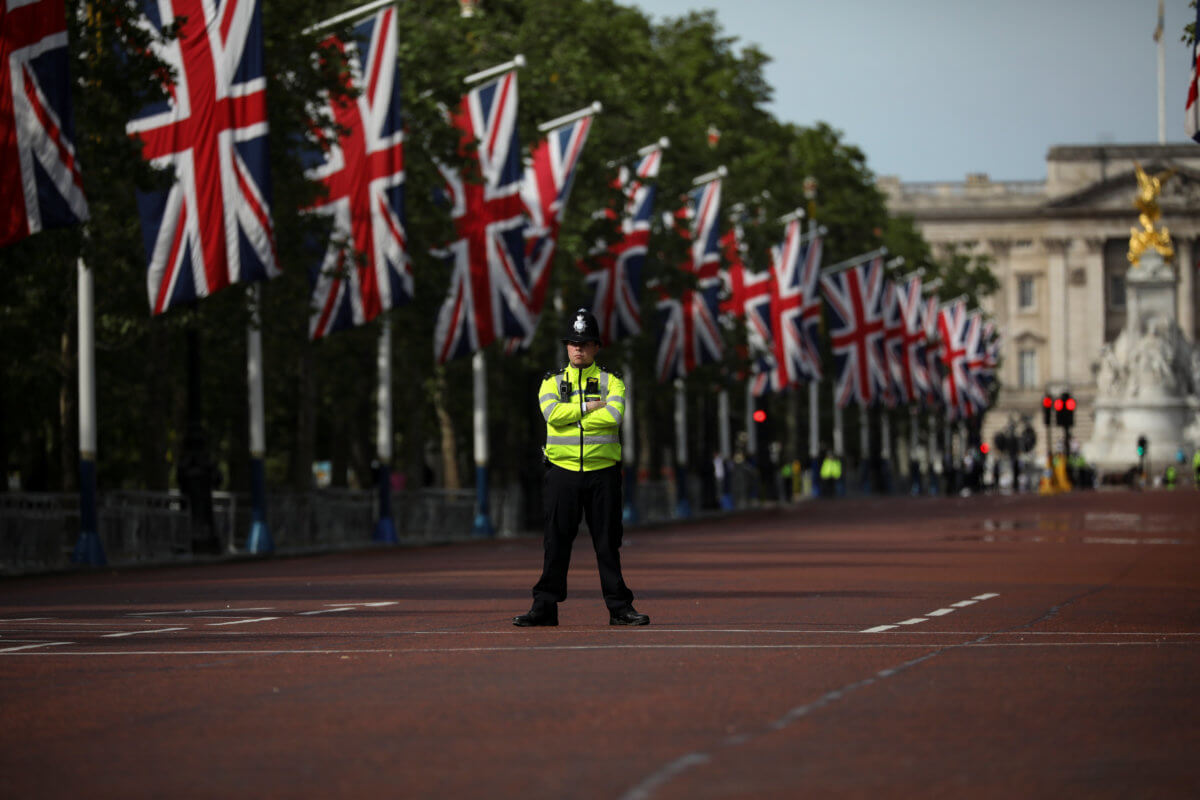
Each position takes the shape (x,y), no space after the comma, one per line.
(1005,307)
(1185,266)
(1095,312)
(1056,306)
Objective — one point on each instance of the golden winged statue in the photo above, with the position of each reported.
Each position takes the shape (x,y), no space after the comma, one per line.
(1146,202)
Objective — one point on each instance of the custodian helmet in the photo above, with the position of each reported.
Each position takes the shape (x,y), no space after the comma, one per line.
(582,328)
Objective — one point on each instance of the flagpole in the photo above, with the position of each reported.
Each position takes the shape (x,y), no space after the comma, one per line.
(259,540)
(885,447)
(723,435)
(914,464)
(483,523)
(1162,77)
(89,549)
(517,62)
(864,448)
(841,266)
(629,513)
(353,13)
(839,439)
(385,528)
(595,108)
(809,187)
(683,508)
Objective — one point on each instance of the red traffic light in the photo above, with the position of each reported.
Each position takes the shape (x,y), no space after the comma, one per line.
(1070,404)
(1058,404)
(1047,402)
(984,448)
(760,415)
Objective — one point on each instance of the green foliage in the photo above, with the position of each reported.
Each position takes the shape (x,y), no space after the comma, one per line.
(673,79)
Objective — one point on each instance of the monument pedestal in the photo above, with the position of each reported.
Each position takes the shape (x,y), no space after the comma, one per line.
(1146,378)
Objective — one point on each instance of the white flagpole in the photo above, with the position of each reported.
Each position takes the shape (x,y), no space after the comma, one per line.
(629,514)
(385,528)
(483,521)
(864,447)
(353,13)
(723,435)
(683,508)
(89,549)
(1162,76)
(259,540)
(885,445)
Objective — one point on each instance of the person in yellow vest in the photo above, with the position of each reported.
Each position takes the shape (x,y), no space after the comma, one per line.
(1196,468)
(831,473)
(583,405)
(1169,476)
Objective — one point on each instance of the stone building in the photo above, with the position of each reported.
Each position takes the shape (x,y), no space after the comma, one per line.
(1058,247)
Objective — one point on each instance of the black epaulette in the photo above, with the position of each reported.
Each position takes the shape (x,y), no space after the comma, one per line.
(615,373)
(550,374)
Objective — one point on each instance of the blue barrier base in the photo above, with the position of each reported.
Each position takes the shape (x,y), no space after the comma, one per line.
(482,528)
(727,502)
(89,550)
(385,531)
(260,541)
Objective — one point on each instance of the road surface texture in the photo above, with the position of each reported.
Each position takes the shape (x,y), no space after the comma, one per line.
(891,647)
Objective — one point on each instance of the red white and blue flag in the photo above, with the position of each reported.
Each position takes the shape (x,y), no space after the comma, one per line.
(617,281)
(1191,114)
(38,169)
(978,363)
(548,179)
(748,302)
(952,347)
(488,297)
(796,306)
(912,378)
(212,227)
(855,300)
(933,359)
(688,331)
(365,268)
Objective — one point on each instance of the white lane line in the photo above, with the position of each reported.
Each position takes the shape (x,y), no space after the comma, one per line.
(325,611)
(242,621)
(32,646)
(368,605)
(987,596)
(23,619)
(183,611)
(964,603)
(879,629)
(941,612)
(913,621)
(136,633)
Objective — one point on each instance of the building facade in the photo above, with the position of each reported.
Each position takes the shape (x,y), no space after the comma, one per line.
(1058,247)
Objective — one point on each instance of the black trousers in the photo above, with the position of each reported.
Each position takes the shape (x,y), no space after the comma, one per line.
(596,497)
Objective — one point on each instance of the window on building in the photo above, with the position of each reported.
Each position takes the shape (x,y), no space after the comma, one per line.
(1027,369)
(1025,295)
(1116,292)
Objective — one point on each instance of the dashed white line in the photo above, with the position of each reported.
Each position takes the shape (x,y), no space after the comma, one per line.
(879,629)
(913,621)
(326,611)
(941,612)
(242,621)
(179,612)
(987,596)
(136,633)
(32,646)
(964,603)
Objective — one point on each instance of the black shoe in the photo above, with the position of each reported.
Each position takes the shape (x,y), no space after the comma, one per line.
(535,618)
(627,616)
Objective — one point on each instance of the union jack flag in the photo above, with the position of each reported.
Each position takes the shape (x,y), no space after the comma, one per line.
(914,376)
(39,173)
(489,288)
(978,363)
(952,333)
(617,283)
(362,171)
(748,301)
(688,332)
(1191,113)
(548,179)
(855,298)
(933,360)
(796,306)
(212,227)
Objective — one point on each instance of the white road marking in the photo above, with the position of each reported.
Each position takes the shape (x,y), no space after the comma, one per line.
(136,633)
(32,646)
(941,612)
(326,611)
(369,605)
(241,621)
(964,603)
(987,596)
(913,621)
(879,629)
(24,619)
(182,611)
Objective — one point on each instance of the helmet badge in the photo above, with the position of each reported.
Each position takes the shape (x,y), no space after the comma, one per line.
(580,326)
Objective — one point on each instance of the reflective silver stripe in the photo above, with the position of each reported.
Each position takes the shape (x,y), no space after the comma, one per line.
(616,412)
(603,383)
(548,410)
(617,398)
(576,440)
(547,396)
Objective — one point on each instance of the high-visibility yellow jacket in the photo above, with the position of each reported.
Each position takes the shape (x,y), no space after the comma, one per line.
(576,439)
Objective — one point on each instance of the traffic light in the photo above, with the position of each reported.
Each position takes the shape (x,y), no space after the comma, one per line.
(1068,410)
(760,415)
(1141,446)
(1058,411)
(983,448)
(1047,404)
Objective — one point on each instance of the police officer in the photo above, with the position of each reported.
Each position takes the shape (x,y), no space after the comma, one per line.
(583,405)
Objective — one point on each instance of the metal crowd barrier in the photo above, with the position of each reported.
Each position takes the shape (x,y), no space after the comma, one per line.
(38,531)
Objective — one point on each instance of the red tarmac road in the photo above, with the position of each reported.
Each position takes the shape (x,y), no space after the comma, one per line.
(981,647)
